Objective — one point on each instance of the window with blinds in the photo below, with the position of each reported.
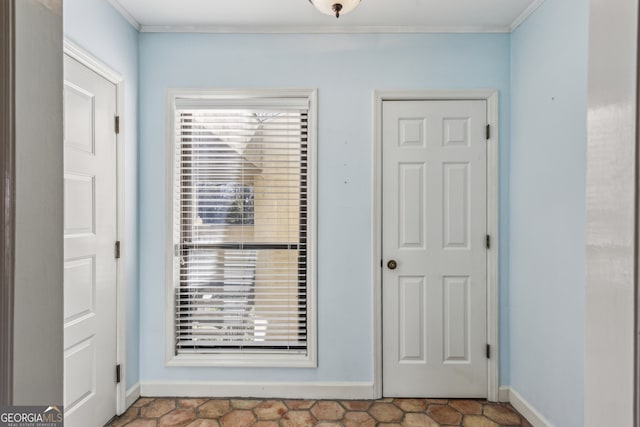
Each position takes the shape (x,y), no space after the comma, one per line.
(241,225)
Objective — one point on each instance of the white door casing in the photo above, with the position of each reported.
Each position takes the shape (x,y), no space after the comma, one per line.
(434,213)
(90,233)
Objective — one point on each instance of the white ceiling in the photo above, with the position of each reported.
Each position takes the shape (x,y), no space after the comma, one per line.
(291,16)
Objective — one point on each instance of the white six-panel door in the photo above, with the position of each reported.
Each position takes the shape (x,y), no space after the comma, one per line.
(89,238)
(434,214)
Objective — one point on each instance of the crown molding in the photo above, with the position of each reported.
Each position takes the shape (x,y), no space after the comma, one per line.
(256,29)
(309,29)
(525,14)
(125,14)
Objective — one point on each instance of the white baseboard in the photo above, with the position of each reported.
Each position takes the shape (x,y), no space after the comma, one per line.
(503,394)
(305,390)
(132,395)
(527,410)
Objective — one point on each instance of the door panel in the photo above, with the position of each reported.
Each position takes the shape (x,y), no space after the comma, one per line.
(411,227)
(89,238)
(434,227)
(412,328)
(456,206)
(456,319)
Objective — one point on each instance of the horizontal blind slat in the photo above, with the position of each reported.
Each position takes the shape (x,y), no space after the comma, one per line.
(241,225)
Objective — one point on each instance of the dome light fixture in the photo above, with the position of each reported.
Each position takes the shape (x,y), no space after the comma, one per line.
(335,7)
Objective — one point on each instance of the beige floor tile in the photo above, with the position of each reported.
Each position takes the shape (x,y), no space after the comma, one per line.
(190,403)
(356,405)
(466,406)
(299,404)
(388,412)
(297,419)
(245,403)
(141,422)
(214,409)
(446,415)
(358,419)
(238,418)
(177,418)
(411,405)
(501,414)
(157,408)
(327,411)
(270,410)
(203,423)
(142,401)
(478,421)
(419,420)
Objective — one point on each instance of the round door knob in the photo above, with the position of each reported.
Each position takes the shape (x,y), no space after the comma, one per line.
(392,264)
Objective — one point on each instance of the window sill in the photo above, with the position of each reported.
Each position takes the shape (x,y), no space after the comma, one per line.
(242,361)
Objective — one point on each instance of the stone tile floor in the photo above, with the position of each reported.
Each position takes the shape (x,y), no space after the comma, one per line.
(178,412)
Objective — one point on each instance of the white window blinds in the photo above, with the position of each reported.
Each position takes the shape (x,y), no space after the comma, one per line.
(240,225)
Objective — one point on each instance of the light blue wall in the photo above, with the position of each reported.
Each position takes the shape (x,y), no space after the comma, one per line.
(548,143)
(540,70)
(345,69)
(101,30)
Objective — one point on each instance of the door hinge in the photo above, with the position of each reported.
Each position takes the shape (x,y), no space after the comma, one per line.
(117,124)
(117,249)
(488,351)
(117,374)
(488,242)
(488,132)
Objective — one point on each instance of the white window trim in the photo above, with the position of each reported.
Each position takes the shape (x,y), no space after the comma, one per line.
(308,360)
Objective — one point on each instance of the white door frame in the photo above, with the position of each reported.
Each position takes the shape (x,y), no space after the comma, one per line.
(88,60)
(491,96)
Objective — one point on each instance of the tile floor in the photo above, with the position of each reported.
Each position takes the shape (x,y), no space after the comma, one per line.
(177,412)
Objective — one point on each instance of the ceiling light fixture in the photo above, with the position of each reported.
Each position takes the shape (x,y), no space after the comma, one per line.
(335,7)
